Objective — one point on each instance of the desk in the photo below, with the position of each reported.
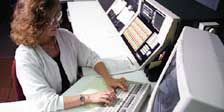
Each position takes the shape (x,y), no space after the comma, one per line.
(92,27)
(91,83)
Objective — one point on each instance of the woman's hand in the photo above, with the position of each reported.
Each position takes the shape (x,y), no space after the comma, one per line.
(117,83)
(106,97)
(101,69)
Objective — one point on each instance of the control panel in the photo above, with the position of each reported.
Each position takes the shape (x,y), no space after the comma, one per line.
(150,31)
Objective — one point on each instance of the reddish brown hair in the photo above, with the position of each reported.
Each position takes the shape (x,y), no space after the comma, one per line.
(30,19)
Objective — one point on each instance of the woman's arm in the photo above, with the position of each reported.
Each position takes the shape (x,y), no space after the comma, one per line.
(71,101)
(101,69)
(106,97)
(100,97)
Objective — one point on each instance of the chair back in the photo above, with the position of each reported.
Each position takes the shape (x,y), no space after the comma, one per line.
(16,85)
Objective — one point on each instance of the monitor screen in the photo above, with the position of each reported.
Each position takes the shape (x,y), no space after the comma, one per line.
(167,94)
(158,19)
(212,4)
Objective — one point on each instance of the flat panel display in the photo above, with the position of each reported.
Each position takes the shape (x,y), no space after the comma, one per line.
(167,95)
(158,19)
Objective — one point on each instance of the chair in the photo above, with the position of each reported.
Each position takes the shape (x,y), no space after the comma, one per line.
(16,86)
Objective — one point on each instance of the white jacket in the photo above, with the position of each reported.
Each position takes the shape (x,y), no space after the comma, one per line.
(39,74)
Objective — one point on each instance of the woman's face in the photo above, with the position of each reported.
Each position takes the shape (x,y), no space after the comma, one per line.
(51,27)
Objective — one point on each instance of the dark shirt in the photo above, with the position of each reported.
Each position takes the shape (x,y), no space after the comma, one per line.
(64,78)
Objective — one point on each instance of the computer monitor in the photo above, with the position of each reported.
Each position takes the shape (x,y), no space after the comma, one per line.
(193,77)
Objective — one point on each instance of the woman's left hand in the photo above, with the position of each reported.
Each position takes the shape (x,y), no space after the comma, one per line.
(117,83)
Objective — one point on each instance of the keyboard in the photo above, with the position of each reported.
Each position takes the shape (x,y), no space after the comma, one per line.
(130,101)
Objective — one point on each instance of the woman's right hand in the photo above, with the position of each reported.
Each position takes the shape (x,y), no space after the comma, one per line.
(106,97)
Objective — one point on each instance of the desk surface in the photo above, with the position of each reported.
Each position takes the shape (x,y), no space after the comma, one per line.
(93,83)
(89,16)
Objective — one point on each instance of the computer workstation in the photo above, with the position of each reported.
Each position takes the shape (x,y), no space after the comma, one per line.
(149,26)
(135,45)
(184,103)
(153,26)
(187,82)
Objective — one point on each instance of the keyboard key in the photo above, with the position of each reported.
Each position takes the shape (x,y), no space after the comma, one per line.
(122,110)
(136,89)
(129,100)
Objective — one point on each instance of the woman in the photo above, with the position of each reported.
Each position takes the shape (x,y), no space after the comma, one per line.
(47,58)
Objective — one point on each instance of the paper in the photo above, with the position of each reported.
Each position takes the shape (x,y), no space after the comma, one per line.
(118,6)
(125,16)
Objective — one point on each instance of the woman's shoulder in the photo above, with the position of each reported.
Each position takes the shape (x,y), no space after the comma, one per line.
(24,53)
(64,31)
(24,49)
(65,34)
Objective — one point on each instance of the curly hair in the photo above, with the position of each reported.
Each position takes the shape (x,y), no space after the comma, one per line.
(29,20)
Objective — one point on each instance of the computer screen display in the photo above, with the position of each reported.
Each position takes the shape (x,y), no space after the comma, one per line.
(152,16)
(212,4)
(167,94)
(157,20)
